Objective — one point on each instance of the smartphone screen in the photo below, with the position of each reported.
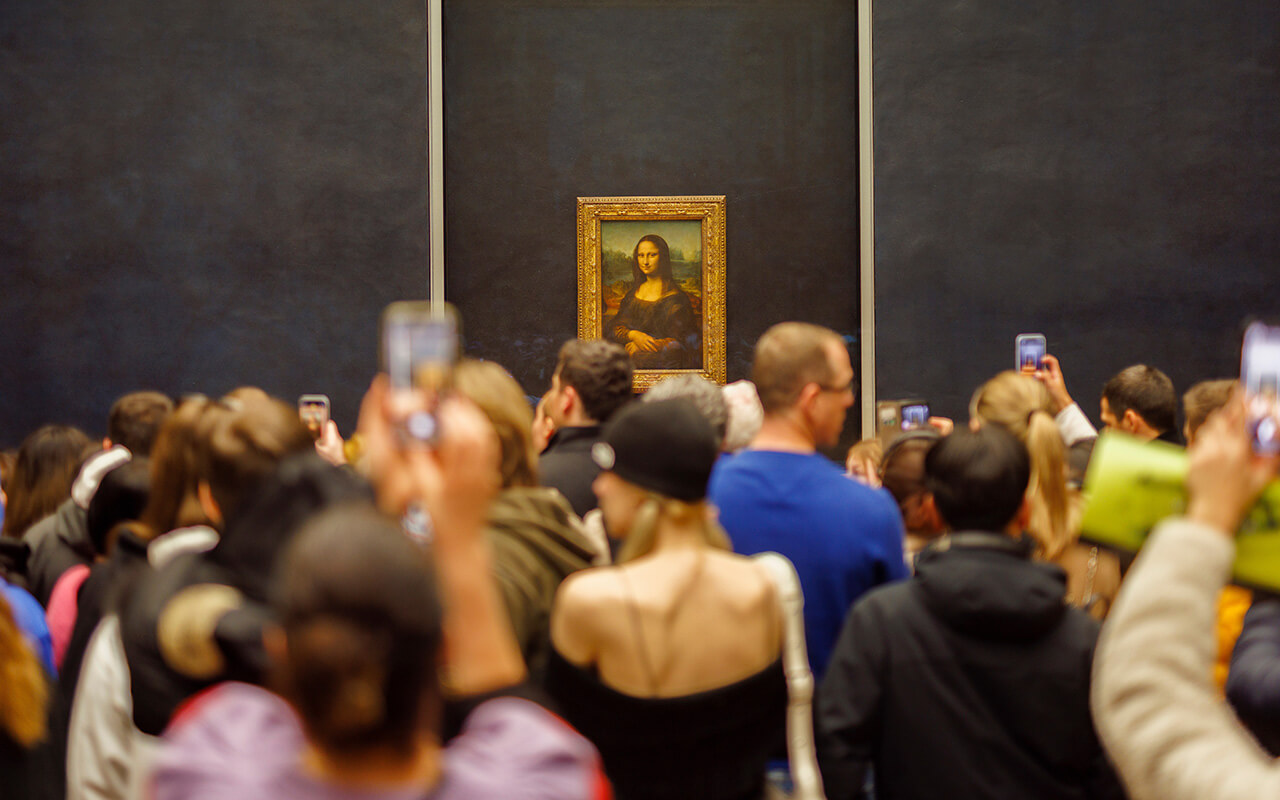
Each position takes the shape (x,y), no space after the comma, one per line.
(419,347)
(915,416)
(313,410)
(1260,374)
(1030,349)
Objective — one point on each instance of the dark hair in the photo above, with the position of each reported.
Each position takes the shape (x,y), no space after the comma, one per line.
(664,261)
(1203,399)
(43,472)
(600,372)
(978,478)
(246,444)
(120,497)
(703,393)
(135,419)
(174,474)
(362,623)
(273,510)
(1146,390)
(789,356)
(902,465)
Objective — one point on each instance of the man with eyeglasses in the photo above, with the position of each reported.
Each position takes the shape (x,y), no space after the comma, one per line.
(780,494)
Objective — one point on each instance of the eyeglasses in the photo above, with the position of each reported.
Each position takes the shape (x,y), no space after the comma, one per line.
(848,387)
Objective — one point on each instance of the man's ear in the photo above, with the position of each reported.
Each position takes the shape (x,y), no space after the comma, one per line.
(207,504)
(1132,421)
(927,517)
(1022,517)
(275,643)
(570,401)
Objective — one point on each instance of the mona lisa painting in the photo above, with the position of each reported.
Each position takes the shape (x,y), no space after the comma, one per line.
(651,278)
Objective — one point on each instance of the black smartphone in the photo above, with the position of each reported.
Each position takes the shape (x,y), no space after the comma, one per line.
(1029,350)
(419,349)
(1260,375)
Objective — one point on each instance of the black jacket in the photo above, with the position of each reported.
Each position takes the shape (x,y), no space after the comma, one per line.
(566,465)
(1253,684)
(969,680)
(58,542)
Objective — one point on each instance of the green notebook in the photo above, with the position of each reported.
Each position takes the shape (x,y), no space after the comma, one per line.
(1132,485)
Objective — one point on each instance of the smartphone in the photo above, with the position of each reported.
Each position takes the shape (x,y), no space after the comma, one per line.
(1260,375)
(1029,350)
(914,415)
(313,410)
(419,349)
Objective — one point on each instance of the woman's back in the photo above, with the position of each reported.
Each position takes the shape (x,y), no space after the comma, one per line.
(680,684)
(673,624)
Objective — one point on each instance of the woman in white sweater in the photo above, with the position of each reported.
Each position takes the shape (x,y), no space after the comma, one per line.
(1160,718)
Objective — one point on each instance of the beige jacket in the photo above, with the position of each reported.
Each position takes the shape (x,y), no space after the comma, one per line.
(1154,703)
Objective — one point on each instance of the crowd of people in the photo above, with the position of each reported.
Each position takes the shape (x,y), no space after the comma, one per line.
(598,595)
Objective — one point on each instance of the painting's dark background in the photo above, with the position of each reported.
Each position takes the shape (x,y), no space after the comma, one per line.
(194,196)
(549,101)
(197,195)
(1104,173)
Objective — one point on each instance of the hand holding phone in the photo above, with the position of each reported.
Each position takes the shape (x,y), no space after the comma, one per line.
(1260,376)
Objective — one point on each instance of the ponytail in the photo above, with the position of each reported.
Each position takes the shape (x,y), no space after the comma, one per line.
(1021,404)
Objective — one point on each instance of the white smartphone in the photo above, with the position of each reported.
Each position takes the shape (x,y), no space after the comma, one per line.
(1029,350)
(1260,375)
(419,349)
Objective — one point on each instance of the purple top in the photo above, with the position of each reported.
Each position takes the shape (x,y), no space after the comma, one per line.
(245,743)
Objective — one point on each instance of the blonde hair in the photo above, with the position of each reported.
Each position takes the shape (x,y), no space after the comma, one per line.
(23,689)
(644,528)
(502,400)
(1021,404)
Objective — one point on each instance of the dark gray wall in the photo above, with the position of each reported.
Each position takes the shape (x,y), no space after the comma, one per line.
(198,195)
(549,101)
(1104,173)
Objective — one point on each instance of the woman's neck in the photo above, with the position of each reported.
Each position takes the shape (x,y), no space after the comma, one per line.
(419,767)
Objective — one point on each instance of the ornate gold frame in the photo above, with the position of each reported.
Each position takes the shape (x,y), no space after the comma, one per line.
(710,210)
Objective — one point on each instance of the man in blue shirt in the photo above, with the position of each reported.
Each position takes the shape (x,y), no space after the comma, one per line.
(780,494)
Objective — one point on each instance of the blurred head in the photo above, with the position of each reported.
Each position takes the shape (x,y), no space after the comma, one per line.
(703,393)
(862,462)
(120,497)
(978,478)
(1148,394)
(502,400)
(242,447)
(651,256)
(805,369)
(745,415)
(174,501)
(1202,400)
(595,373)
(361,624)
(135,420)
(656,459)
(1021,405)
(46,466)
(902,474)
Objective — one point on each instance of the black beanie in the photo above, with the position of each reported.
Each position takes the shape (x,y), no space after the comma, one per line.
(668,447)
